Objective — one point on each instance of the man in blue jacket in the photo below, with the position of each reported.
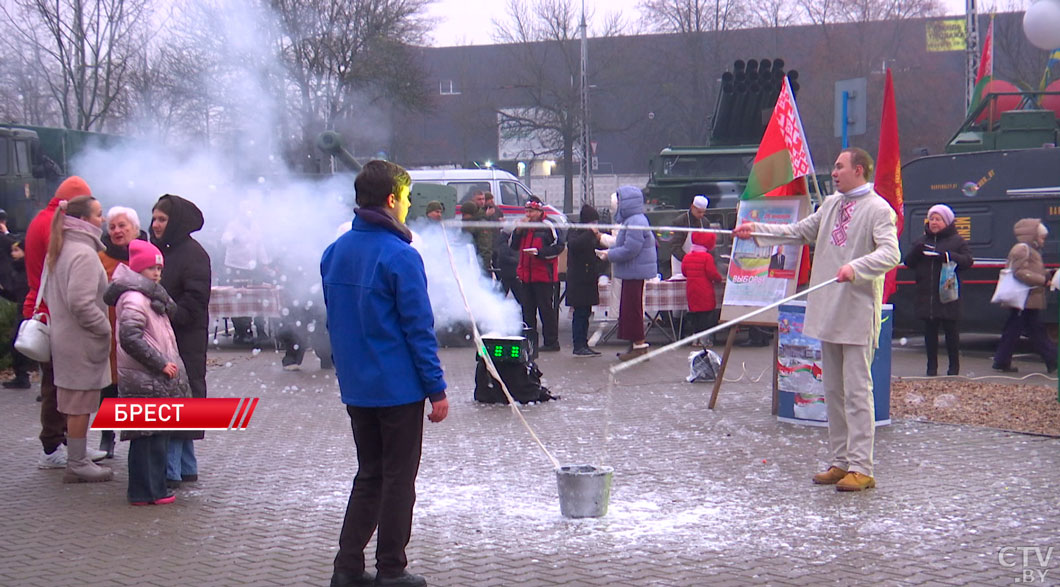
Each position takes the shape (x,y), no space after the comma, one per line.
(386,360)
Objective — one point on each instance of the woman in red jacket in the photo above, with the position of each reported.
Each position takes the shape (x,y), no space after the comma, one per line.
(700,275)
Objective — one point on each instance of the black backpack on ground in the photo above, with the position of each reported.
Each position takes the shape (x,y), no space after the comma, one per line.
(523,381)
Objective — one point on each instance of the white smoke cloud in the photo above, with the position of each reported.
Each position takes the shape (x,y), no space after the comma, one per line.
(494,314)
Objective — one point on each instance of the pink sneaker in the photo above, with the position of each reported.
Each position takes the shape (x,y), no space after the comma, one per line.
(165,500)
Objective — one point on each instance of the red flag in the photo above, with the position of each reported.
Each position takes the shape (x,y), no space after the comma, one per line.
(986,68)
(784,154)
(889,169)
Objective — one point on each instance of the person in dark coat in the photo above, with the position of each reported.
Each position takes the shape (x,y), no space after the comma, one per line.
(583,270)
(939,243)
(187,278)
(14,287)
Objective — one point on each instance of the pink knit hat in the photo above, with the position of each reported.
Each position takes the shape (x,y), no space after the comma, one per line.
(143,254)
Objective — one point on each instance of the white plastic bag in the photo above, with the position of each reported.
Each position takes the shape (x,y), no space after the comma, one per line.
(1010,292)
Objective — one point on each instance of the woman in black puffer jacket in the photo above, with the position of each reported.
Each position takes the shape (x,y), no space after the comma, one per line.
(187,279)
(939,244)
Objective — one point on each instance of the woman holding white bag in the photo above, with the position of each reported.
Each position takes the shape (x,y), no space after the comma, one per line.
(1025,263)
(78,317)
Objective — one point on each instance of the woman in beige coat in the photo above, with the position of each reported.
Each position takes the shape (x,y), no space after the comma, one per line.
(1025,261)
(81,346)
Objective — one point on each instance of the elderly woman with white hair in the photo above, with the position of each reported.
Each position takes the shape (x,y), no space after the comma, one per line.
(122,227)
(1025,261)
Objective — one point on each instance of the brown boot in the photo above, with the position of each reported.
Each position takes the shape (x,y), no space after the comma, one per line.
(855,481)
(829,477)
(79,468)
(633,353)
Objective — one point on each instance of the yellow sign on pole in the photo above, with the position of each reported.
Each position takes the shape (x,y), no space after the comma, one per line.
(946,35)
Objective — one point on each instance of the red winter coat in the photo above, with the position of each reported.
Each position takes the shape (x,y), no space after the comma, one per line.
(37,236)
(699,271)
(544,266)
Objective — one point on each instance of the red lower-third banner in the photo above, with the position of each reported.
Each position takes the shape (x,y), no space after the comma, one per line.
(211,413)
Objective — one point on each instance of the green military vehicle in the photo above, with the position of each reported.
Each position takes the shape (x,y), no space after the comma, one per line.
(33,160)
(718,171)
(1001,165)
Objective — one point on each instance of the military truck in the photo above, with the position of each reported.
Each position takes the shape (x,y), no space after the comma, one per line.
(1000,166)
(33,160)
(23,182)
(718,171)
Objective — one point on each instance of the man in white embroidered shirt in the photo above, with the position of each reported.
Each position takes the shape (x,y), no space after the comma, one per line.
(856,242)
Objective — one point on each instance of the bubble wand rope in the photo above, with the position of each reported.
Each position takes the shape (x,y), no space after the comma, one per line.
(615,369)
(480,349)
(455,223)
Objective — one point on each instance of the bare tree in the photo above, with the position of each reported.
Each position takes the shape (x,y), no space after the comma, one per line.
(82,49)
(543,38)
(343,56)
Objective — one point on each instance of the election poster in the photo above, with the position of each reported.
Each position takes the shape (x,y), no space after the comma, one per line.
(760,275)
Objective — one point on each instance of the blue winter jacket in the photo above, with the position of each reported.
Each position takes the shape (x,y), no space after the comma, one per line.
(379,316)
(633,255)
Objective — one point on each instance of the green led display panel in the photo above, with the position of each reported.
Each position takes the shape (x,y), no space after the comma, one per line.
(505,350)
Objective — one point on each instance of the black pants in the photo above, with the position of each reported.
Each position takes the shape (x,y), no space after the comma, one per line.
(52,423)
(388,441)
(699,321)
(147,468)
(1027,322)
(580,326)
(541,298)
(953,344)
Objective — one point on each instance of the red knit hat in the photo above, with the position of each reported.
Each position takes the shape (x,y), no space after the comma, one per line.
(704,239)
(143,254)
(72,187)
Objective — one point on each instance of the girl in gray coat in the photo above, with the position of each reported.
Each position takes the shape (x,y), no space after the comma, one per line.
(149,364)
(635,259)
(74,294)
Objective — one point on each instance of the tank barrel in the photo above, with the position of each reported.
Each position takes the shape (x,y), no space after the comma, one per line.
(330,142)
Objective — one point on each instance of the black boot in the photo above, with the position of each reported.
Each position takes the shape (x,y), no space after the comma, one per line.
(106,443)
(19,382)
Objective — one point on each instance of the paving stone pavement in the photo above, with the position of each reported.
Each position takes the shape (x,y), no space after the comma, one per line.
(700,497)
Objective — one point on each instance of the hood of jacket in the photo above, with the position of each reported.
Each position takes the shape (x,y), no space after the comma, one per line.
(1026,231)
(185,219)
(704,239)
(630,202)
(126,280)
(588,214)
(83,227)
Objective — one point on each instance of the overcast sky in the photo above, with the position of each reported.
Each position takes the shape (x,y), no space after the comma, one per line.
(470,22)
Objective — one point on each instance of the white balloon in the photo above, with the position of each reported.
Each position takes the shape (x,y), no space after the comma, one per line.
(1041,24)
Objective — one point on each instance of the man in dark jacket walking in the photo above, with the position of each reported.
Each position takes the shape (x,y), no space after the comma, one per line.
(187,278)
(538,273)
(386,360)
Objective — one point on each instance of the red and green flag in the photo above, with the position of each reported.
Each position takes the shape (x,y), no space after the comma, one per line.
(888,182)
(784,155)
(986,69)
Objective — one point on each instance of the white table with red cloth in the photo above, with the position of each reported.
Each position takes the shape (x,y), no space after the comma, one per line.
(228,301)
(664,303)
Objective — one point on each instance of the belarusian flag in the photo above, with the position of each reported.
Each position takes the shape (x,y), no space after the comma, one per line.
(784,154)
(888,182)
(986,68)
